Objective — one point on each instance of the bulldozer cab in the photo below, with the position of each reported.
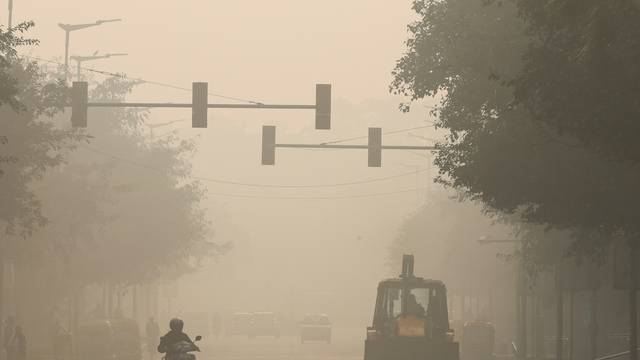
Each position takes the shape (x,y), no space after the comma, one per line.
(410,315)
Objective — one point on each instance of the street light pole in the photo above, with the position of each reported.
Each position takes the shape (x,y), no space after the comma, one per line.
(68,28)
(10,22)
(81,59)
(66,55)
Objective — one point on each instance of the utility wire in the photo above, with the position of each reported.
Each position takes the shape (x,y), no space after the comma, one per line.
(320,197)
(385,133)
(171,86)
(219,181)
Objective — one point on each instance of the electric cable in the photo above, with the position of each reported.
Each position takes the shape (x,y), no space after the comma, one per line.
(157,83)
(228,182)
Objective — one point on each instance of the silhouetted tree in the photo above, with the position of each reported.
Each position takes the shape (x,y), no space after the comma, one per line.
(580,74)
(471,54)
(131,212)
(541,101)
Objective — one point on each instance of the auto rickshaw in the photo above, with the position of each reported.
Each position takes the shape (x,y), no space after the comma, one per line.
(410,321)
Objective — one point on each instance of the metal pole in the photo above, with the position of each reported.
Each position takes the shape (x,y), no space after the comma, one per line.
(522,284)
(66,56)
(540,349)
(633,303)
(571,322)
(594,323)
(10,22)
(2,252)
(134,303)
(559,315)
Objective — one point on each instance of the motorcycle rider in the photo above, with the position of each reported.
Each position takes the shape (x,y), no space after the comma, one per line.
(172,338)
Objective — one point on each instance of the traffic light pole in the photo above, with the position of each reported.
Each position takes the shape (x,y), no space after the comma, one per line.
(199,105)
(209,106)
(374,146)
(337,146)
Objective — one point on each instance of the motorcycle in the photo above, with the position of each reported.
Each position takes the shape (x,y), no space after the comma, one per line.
(182,350)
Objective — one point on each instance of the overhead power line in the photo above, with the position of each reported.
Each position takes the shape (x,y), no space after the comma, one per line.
(157,83)
(229,182)
(320,197)
(385,133)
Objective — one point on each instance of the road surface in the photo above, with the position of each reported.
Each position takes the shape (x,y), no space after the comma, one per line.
(347,344)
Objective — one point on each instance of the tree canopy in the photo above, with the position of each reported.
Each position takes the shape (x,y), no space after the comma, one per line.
(581,74)
(30,143)
(475,56)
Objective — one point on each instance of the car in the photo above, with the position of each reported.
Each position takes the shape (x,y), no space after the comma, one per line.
(315,327)
(478,340)
(238,324)
(264,324)
(410,320)
(109,339)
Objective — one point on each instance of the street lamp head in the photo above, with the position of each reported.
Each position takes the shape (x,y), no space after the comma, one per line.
(106,21)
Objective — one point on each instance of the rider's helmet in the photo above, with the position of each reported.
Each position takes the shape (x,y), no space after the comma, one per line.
(176,324)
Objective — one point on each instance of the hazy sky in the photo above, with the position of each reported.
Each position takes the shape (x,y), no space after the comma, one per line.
(271,50)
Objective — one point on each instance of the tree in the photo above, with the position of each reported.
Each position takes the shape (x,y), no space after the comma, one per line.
(496,151)
(580,74)
(30,145)
(516,143)
(10,40)
(131,212)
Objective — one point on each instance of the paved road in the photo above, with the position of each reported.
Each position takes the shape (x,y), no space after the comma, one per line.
(347,344)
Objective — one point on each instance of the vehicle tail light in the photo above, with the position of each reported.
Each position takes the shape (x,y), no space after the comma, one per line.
(410,326)
(449,335)
(373,334)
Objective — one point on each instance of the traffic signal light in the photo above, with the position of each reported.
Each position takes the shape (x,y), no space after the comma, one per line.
(375,147)
(268,145)
(79,101)
(199,104)
(323,106)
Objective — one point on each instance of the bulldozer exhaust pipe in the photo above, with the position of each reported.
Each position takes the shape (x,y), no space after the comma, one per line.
(407,266)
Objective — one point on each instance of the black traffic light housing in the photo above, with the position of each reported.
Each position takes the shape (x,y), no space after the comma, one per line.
(268,145)
(199,104)
(375,147)
(79,104)
(323,106)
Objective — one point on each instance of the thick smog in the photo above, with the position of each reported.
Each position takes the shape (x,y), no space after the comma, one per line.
(338,179)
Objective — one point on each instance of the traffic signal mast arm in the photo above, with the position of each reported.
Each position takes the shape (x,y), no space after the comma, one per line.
(374,146)
(200,105)
(209,106)
(337,146)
